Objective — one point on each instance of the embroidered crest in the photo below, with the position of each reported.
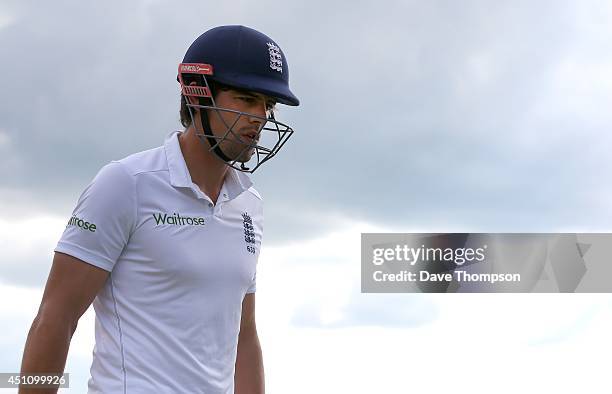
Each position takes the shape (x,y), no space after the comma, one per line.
(276,59)
(249,232)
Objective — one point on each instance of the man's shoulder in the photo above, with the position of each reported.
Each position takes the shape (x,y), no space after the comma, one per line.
(149,160)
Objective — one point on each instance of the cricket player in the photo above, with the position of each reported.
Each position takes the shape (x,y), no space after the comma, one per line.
(165,242)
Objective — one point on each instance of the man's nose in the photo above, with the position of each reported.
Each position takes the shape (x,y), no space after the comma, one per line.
(260,114)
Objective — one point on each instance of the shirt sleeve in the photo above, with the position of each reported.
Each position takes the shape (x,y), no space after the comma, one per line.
(103,219)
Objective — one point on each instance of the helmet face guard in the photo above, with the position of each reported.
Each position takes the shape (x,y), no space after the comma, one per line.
(270,137)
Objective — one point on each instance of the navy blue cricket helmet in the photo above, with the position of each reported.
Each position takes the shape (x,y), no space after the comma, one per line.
(244,58)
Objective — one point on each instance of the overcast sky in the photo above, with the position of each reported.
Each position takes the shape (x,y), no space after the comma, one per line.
(476,115)
(415,116)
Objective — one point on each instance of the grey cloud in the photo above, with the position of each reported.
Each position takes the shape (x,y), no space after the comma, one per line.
(26,258)
(28,271)
(430,115)
(381,310)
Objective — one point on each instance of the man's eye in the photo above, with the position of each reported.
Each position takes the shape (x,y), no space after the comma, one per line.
(247,99)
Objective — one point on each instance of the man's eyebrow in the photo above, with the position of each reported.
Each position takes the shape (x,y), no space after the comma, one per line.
(257,95)
(247,93)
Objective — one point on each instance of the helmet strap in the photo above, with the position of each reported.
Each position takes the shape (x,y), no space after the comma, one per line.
(208,132)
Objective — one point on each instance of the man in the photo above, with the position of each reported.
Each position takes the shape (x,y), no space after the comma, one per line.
(165,242)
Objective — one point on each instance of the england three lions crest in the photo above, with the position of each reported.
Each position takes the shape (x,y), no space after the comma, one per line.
(276,59)
(249,232)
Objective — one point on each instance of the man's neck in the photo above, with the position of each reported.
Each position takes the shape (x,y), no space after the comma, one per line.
(206,171)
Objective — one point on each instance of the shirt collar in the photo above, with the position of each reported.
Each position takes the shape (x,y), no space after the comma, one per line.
(235,181)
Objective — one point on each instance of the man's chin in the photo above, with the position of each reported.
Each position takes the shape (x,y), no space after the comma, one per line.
(245,156)
(243,159)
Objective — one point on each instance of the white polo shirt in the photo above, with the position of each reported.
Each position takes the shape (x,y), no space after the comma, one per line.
(168,317)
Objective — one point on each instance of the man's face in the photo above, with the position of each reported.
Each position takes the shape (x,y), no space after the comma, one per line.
(245,132)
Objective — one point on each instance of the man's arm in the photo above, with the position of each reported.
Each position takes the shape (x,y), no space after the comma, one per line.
(71,287)
(249,377)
